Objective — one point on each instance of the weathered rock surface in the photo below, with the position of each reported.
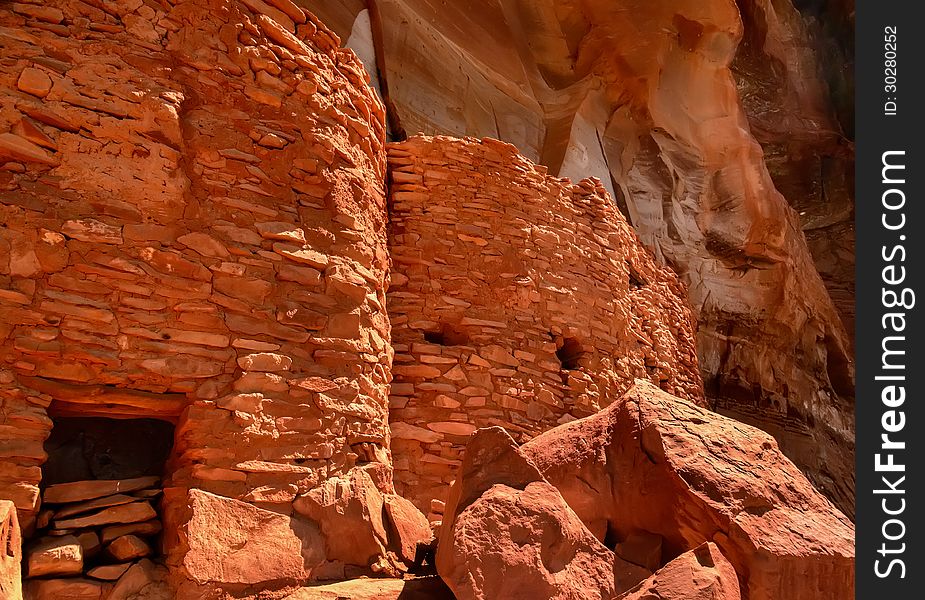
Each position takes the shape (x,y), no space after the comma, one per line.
(362,526)
(658,464)
(108,572)
(11,558)
(507,533)
(72,588)
(127,548)
(424,588)
(718,126)
(407,526)
(57,555)
(699,574)
(144,580)
(238,546)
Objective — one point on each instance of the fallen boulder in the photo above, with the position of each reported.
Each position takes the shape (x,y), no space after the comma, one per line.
(507,533)
(655,463)
(363,527)
(231,545)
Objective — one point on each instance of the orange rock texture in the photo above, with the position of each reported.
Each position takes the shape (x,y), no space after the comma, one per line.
(194,230)
(204,227)
(516,299)
(719,127)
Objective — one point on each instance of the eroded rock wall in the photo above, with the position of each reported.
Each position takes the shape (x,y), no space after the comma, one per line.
(695,116)
(194,230)
(516,299)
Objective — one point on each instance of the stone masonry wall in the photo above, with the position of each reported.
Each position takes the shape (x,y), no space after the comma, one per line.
(193,229)
(516,299)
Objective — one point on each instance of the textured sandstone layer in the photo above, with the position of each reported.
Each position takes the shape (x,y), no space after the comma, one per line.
(194,230)
(516,299)
(699,574)
(697,502)
(694,115)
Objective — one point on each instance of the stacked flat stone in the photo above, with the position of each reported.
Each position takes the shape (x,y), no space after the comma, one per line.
(93,530)
(194,230)
(517,299)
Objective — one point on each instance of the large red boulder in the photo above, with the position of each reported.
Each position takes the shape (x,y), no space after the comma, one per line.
(233,545)
(655,463)
(509,534)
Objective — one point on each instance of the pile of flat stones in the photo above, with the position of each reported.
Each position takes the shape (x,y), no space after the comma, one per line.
(96,528)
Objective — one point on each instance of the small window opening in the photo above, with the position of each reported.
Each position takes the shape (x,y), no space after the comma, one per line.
(447,335)
(570,354)
(636,280)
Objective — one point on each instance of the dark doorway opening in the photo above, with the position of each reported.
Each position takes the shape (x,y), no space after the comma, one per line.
(100,491)
(89,448)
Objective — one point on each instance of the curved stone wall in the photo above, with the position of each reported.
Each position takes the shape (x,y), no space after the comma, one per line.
(194,230)
(516,299)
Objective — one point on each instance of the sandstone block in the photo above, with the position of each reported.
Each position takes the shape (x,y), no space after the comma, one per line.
(143,580)
(507,533)
(108,572)
(405,431)
(265,361)
(233,542)
(452,428)
(19,148)
(408,527)
(82,507)
(127,548)
(126,513)
(87,490)
(56,555)
(112,532)
(91,230)
(71,588)
(34,81)
(348,511)
(699,574)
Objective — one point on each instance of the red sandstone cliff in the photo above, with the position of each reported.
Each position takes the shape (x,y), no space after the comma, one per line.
(206,235)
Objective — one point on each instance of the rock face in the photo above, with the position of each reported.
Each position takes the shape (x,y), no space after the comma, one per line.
(516,299)
(713,124)
(657,464)
(509,534)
